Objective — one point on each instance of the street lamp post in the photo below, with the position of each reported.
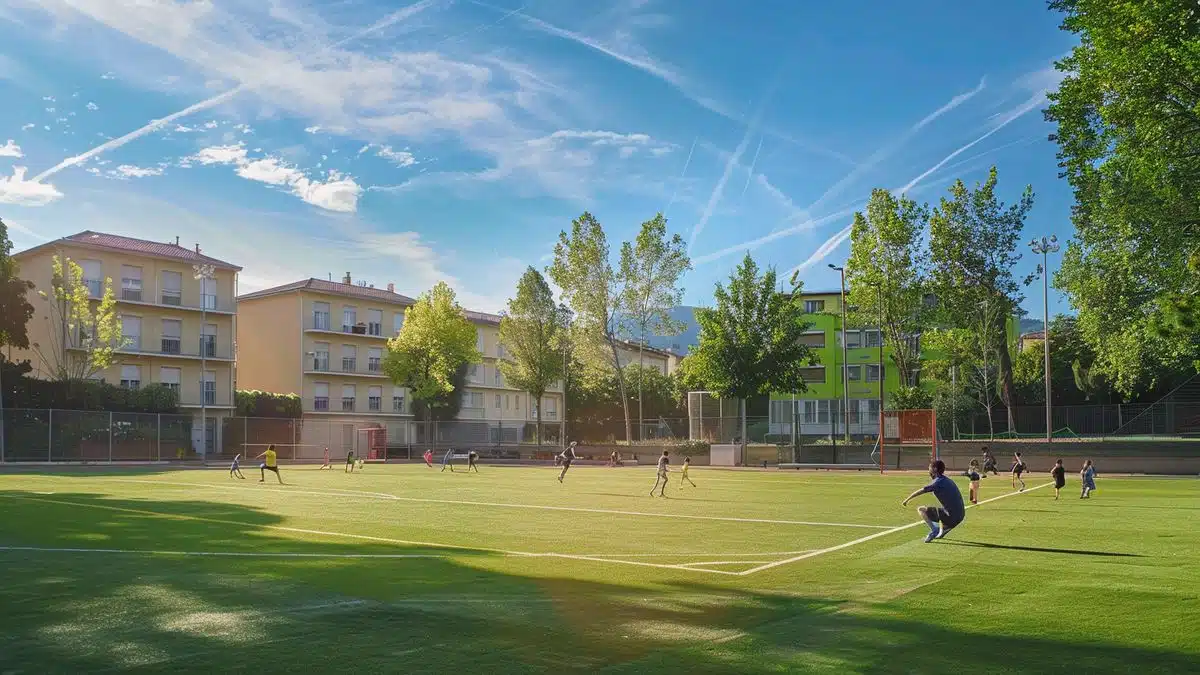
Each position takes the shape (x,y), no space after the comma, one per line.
(203,273)
(845,357)
(1045,246)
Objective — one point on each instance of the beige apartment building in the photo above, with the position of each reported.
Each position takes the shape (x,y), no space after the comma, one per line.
(326,340)
(178,329)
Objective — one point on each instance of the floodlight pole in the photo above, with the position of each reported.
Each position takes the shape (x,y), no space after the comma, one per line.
(845,358)
(204,273)
(1046,246)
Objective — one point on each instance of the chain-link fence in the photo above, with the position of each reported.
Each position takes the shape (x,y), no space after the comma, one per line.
(1165,419)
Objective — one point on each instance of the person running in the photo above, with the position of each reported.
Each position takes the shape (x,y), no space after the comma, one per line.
(428,456)
(972,474)
(471,457)
(235,469)
(326,465)
(268,464)
(1059,472)
(683,474)
(349,462)
(1087,476)
(564,459)
(1018,468)
(663,467)
(952,511)
(989,463)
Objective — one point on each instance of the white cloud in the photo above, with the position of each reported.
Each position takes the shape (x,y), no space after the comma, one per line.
(125,171)
(222,154)
(337,192)
(28,126)
(11,149)
(183,129)
(313,129)
(50,110)
(48,98)
(244,128)
(16,190)
(108,76)
(400,158)
(211,124)
(92,106)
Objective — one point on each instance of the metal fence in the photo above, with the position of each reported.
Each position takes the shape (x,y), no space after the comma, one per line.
(1167,419)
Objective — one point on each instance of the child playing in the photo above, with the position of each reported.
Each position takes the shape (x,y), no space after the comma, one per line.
(1018,468)
(972,473)
(989,462)
(1060,477)
(235,468)
(326,465)
(1088,476)
(687,462)
(349,462)
(429,458)
(663,462)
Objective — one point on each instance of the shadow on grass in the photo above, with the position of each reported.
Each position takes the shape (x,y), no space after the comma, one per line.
(1037,549)
(174,613)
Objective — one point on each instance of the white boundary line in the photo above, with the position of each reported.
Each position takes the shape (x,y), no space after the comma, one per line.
(856,542)
(338,492)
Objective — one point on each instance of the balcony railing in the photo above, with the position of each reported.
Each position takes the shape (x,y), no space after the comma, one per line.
(94,287)
(320,320)
(208,346)
(321,403)
(356,329)
(173,298)
(321,363)
(210,395)
(375,403)
(132,294)
(398,404)
(347,404)
(349,364)
(374,365)
(170,345)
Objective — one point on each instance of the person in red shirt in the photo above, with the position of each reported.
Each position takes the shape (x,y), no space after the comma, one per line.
(429,458)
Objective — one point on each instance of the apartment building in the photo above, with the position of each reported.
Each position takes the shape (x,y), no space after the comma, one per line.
(326,340)
(178,329)
(665,362)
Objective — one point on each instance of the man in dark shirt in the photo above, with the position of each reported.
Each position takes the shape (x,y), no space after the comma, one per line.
(950,513)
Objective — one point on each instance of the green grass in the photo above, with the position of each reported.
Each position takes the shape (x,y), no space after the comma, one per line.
(1025,585)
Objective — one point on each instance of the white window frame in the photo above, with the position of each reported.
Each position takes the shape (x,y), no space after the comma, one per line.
(92,276)
(349,318)
(209,391)
(167,335)
(320,315)
(397,322)
(131,376)
(814,306)
(375,360)
(131,281)
(375,399)
(133,339)
(165,376)
(320,360)
(318,388)
(208,293)
(172,287)
(374,322)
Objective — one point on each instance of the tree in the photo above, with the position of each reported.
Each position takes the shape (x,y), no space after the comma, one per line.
(884,275)
(650,271)
(1128,132)
(750,342)
(532,333)
(973,240)
(1067,348)
(15,310)
(582,270)
(435,342)
(83,338)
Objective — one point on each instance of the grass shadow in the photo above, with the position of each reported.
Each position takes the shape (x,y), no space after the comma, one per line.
(1038,549)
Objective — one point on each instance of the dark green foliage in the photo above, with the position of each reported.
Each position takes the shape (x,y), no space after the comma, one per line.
(254,403)
(445,406)
(15,310)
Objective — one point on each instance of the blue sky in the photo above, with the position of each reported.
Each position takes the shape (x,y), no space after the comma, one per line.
(451,139)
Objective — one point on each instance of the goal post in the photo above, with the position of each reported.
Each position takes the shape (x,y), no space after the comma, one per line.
(711,418)
(912,428)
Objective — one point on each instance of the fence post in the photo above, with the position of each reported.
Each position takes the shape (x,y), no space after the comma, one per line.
(158,436)
(110,435)
(292,425)
(50,435)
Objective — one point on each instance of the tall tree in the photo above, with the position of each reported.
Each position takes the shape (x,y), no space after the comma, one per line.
(966,358)
(532,333)
(593,291)
(750,342)
(886,255)
(83,337)
(650,272)
(15,310)
(436,342)
(973,239)
(1128,118)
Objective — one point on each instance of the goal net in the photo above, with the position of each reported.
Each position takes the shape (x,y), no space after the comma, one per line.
(905,431)
(711,418)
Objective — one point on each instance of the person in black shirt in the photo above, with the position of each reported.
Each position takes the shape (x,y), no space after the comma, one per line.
(989,462)
(471,457)
(1018,468)
(1060,477)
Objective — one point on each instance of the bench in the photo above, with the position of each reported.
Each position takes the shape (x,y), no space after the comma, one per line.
(828,466)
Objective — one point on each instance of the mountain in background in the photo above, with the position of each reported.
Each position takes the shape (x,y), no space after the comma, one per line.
(682,343)
(1030,325)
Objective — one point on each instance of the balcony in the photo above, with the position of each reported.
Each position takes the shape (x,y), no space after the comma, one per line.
(94,286)
(171,345)
(375,403)
(398,405)
(347,404)
(349,364)
(171,298)
(208,346)
(131,293)
(321,403)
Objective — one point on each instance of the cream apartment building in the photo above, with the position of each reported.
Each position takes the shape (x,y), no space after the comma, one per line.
(325,341)
(178,330)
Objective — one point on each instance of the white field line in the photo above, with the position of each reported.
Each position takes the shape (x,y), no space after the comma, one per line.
(856,542)
(361,537)
(721,562)
(337,492)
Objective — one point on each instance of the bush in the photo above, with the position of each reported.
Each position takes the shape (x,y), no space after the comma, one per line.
(22,391)
(254,403)
(910,398)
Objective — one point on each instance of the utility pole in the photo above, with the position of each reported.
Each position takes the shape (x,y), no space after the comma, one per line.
(204,273)
(1046,246)
(845,357)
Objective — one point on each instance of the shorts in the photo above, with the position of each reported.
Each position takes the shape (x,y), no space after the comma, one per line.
(941,515)
(662,475)
(565,463)
(269,468)
(1018,470)
(973,476)
(1059,483)
(235,467)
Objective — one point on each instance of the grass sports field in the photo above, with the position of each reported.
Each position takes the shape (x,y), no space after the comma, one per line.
(407,569)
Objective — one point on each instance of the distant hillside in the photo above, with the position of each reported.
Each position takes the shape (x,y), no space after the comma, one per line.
(682,343)
(1030,325)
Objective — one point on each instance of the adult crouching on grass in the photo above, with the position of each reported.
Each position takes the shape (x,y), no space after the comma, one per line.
(952,511)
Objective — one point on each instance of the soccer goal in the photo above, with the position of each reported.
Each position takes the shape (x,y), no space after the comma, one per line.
(712,419)
(904,433)
(371,443)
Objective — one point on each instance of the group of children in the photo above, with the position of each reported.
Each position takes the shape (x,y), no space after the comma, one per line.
(1087,475)
(567,456)
(352,462)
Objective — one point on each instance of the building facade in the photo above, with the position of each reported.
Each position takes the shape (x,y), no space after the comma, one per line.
(178,330)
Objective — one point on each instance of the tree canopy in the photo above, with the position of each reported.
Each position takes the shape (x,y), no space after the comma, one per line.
(82,339)
(15,310)
(532,332)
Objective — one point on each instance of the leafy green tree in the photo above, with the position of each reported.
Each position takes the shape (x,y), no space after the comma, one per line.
(1128,134)
(435,343)
(965,361)
(593,291)
(15,310)
(1067,348)
(973,239)
(84,333)
(532,334)
(886,254)
(650,272)
(750,342)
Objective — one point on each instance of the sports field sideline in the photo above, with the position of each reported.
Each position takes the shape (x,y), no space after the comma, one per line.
(402,568)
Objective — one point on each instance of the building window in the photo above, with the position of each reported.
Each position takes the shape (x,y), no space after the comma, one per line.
(815,340)
(210,387)
(497,401)
(321,315)
(349,358)
(473,372)
(853,339)
(472,400)
(172,288)
(397,322)
(814,306)
(500,351)
(873,373)
(172,331)
(374,322)
(398,401)
(813,375)
(131,377)
(170,378)
(347,398)
(551,408)
(375,360)
(131,332)
(208,293)
(131,283)
(854,373)
(93,277)
(349,317)
(498,377)
(816,412)
(321,356)
(321,396)
(872,338)
(479,340)
(375,398)
(208,340)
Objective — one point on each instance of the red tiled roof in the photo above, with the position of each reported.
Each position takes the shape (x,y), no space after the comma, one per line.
(114,242)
